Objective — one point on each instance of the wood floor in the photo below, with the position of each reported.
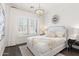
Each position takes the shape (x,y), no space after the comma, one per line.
(71,52)
(15,51)
(12,51)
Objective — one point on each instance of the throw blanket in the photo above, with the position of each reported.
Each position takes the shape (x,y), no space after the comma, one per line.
(48,42)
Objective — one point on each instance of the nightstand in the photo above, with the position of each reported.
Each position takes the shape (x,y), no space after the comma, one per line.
(73,44)
(70,43)
(76,45)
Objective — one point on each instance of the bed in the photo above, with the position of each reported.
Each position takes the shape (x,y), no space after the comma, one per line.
(49,44)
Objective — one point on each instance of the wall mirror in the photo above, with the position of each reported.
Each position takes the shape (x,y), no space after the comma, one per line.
(55,19)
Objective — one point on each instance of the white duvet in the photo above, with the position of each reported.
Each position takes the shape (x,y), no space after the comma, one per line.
(44,44)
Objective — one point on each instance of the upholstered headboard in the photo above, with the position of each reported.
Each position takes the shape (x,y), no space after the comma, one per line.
(57,29)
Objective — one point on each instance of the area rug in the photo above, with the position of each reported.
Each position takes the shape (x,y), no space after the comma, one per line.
(25,52)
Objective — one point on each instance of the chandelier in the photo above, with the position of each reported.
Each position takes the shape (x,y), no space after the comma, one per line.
(39,11)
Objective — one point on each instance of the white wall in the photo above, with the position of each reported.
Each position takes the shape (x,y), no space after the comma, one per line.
(68,14)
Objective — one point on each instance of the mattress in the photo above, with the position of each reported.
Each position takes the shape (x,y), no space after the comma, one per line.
(42,45)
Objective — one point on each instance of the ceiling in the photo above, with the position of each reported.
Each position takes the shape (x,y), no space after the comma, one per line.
(28,6)
(46,6)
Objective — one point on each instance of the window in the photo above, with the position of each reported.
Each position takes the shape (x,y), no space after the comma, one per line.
(32,26)
(27,26)
(1,23)
(23,25)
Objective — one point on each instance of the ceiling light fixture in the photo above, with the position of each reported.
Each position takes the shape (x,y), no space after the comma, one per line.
(39,11)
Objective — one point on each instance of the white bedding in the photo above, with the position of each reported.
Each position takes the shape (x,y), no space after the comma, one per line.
(45,44)
(50,44)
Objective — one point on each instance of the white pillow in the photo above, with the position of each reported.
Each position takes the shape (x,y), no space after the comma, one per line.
(60,34)
(51,34)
